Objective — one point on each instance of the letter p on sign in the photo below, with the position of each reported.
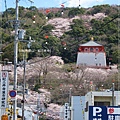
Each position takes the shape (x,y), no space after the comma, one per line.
(96,110)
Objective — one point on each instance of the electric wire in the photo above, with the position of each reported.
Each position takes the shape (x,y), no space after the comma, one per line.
(7,16)
(84,37)
(94,31)
(1,39)
(7,22)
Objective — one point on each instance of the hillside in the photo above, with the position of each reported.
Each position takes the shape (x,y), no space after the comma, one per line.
(62,25)
(58,78)
(50,70)
(59,35)
(54,26)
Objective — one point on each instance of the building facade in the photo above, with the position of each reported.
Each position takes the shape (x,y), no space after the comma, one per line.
(80,104)
(91,54)
(101,98)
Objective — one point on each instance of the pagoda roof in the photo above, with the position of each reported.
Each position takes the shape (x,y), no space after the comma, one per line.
(90,43)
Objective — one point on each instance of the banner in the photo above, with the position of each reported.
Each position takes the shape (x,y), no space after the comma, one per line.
(4,89)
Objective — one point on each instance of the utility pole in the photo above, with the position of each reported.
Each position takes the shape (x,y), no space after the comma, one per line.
(24,86)
(70,104)
(16,24)
(113,86)
(38,107)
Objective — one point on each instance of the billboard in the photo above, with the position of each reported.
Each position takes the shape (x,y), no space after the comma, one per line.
(104,113)
(4,89)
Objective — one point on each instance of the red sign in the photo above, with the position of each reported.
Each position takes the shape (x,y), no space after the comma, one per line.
(111,110)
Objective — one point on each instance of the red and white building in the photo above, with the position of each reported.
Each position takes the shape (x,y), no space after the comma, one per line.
(91,54)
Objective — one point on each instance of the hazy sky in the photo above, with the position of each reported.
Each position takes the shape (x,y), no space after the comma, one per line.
(56,3)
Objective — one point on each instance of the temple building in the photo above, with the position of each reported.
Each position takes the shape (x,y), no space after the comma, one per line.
(91,54)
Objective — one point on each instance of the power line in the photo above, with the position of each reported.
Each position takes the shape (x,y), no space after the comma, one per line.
(106,24)
(1,39)
(8,22)
(84,37)
(94,32)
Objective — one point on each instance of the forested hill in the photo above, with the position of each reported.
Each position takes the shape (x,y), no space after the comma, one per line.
(59,31)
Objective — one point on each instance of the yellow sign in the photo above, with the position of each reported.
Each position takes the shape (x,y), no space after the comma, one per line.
(4,117)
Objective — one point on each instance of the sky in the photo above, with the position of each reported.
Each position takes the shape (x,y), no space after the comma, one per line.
(56,3)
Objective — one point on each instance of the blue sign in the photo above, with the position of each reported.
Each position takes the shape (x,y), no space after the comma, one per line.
(104,113)
(12,93)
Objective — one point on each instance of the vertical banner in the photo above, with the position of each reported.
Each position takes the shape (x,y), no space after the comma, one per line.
(66,111)
(4,89)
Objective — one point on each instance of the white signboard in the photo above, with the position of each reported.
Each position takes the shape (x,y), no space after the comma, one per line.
(4,89)
(66,111)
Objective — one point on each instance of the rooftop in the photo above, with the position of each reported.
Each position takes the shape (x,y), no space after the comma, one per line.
(91,43)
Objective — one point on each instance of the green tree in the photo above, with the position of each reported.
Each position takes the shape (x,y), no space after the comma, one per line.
(75,11)
(50,15)
(8,52)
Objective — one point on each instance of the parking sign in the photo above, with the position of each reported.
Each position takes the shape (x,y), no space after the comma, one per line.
(97,113)
(104,113)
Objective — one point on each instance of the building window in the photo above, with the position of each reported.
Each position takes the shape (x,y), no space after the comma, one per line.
(96,49)
(86,108)
(98,103)
(86,49)
(91,49)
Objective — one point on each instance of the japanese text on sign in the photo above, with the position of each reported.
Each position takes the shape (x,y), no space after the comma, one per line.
(4,89)
(104,113)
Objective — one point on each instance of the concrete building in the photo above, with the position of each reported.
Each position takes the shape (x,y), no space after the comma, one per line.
(91,54)
(80,104)
(102,98)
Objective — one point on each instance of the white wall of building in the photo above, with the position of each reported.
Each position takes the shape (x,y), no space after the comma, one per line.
(91,59)
(29,115)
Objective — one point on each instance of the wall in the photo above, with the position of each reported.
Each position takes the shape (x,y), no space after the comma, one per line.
(77,107)
(91,59)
